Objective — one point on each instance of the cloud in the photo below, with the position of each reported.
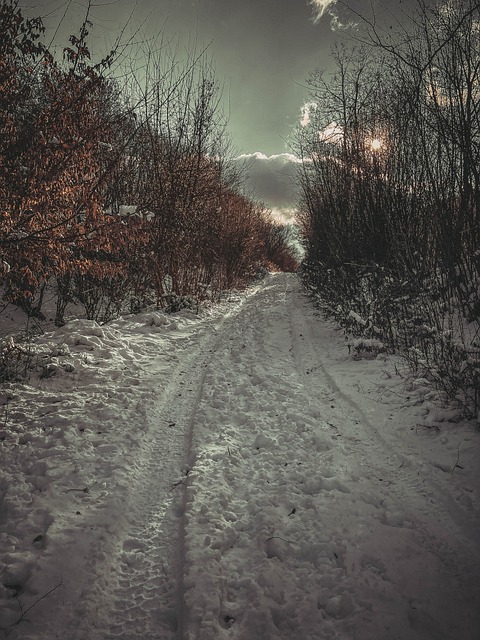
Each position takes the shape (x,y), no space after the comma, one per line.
(327,7)
(284,215)
(279,158)
(271,180)
(331,133)
(321,7)
(310,116)
(306,112)
(336,24)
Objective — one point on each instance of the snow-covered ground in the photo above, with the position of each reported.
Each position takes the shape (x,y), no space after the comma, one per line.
(233,475)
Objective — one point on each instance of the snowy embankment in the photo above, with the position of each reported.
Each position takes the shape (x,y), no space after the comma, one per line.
(235,475)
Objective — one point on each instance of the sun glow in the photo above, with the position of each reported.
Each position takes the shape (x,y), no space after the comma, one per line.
(376,144)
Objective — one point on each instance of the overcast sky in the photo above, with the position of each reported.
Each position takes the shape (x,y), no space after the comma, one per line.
(263,51)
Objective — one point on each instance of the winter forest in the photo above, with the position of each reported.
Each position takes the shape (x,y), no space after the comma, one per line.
(119,193)
(215,426)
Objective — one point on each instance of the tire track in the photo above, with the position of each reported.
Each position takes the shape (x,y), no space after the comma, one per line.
(137,594)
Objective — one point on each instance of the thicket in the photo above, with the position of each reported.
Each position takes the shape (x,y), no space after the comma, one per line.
(390,185)
(116,195)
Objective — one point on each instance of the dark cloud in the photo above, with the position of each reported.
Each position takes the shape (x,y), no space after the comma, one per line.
(271,180)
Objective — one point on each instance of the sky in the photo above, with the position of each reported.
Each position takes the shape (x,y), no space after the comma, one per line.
(262,51)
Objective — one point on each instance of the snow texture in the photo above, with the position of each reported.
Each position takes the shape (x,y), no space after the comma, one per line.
(234,475)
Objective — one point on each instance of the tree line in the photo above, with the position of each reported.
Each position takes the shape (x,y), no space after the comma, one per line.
(390,184)
(116,193)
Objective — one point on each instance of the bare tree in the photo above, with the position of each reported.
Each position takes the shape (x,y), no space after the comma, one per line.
(391,189)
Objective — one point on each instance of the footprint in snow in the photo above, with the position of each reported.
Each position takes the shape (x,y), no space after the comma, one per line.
(313,486)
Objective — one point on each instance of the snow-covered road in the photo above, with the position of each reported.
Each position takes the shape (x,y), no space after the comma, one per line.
(235,476)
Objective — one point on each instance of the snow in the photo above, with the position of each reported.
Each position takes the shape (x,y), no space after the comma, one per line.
(235,474)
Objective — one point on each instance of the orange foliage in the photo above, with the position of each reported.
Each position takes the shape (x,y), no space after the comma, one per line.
(69,149)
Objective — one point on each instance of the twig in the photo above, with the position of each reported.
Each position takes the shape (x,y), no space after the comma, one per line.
(457,461)
(23,612)
(84,490)
(45,595)
(279,538)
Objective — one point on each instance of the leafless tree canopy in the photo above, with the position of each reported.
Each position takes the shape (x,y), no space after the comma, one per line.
(391,192)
